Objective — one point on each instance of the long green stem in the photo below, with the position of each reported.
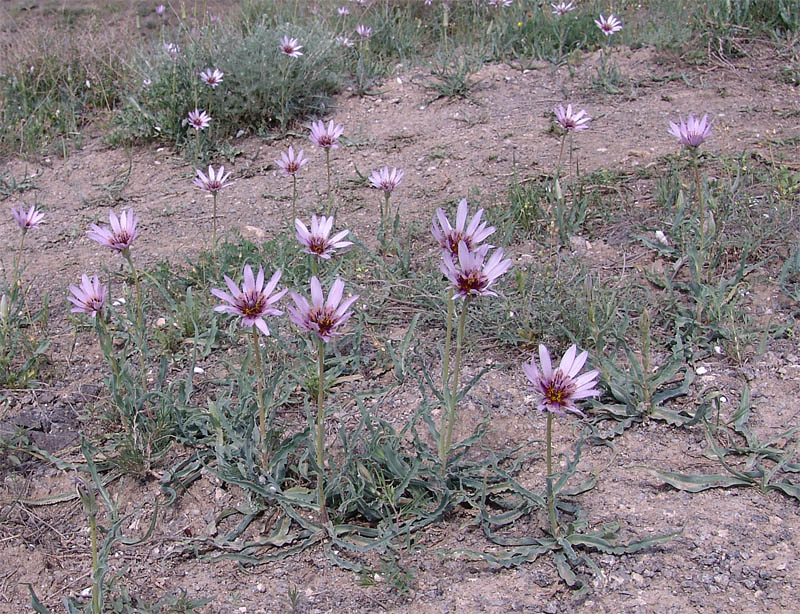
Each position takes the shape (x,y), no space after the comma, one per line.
(451,419)
(560,156)
(699,192)
(314,266)
(262,418)
(17,260)
(214,229)
(328,166)
(139,319)
(323,511)
(551,500)
(95,583)
(446,374)
(294,201)
(106,346)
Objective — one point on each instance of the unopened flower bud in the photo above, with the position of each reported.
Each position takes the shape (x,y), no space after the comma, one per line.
(4,308)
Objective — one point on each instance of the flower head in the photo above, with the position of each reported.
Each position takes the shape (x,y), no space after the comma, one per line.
(89,297)
(291,47)
(290,162)
(609,24)
(343,10)
(327,137)
(693,131)
(121,234)
(562,8)
(214,181)
(473,277)
(198,120)
(571,120)
(385,179)
(558,390)
(160,9)
(321,317)
(172,49)
(317,241)
(212,77)
(344,41)
(253,301)
(27,219)
(363,31)
(449,237)
(499,3)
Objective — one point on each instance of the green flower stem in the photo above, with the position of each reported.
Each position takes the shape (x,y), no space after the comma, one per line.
(314,266)
(284,68)
(451,419)
(95,583)
(294,201)
(323,512)
(328,166)
(446,373)
(699,192)
(386,210)
(214,229)
(106,346)
(560,156)
(551,500)
(262,419)
(18,259)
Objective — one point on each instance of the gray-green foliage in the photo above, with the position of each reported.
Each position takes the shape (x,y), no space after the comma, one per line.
(261,88)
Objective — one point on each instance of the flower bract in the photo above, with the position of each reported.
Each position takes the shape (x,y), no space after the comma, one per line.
(471,234)
(558,389)
(89,297)
(253,301)
(472,276)
(317,241)
(693,131)
(121,233)
(321,317)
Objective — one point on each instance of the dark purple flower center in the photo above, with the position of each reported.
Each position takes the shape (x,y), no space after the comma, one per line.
(559,389)
(325,140)
(325,320)
(471,282)
(94,303)
(454,238)
(251,304)
(317,245)
(121,239)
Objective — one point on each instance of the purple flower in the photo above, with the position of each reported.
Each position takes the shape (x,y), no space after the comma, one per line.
(212,77)
(343,10)
(316,242)
(363,31)
(562,8)
(558,390)
(571,120)
(326,137)
(290,162)
(160,9)
(449,237)
(290,47)
(172,48)
(321,317)
(253,301)
(27,220)
(344,41)
(121,234)
(198,120)
(385,179)
(693,131)
(472,277)
(89,297)
(214,181)
(499,3)
(609,24)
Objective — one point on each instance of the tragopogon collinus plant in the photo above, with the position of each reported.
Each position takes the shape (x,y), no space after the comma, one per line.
(691,134)
(323,319)
(213,183)
(327,137)
(317,242)
(290,163)
(556,391)
(290,48)
(252,303)
(25,220)
(386,181)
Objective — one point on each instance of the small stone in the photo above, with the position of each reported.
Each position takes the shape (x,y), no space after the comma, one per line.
(161,322)
(701,370)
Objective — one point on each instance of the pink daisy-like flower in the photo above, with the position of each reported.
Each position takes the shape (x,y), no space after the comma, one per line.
(160,9)
(89,297)
(290,162)
(320,317)
(326,137)
(385,179)
(343,10)
(499,3)
(291,47)
(214,181)
(212,77)
(344,41)
(363,31)
(473,277)
(172,49)
(558,390)
(121,234)
(609,24)
(317,241)
(253,301)
(571,120)
(471,235)
(198,120)
(27,219)
(562,8)
(693,131)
